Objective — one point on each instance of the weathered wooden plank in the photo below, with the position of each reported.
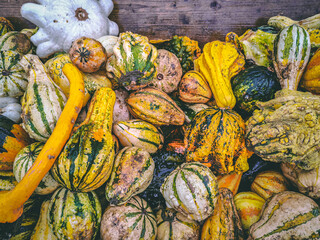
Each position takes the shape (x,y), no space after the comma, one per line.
(202,20)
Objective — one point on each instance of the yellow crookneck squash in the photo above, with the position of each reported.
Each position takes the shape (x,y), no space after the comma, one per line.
(11,202)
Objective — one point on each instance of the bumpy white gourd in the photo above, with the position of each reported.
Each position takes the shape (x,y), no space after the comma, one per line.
(11,108)
(61,22)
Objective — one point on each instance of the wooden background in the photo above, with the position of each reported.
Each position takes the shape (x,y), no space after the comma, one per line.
(202,20)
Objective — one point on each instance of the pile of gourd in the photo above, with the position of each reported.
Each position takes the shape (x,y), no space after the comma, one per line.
(122,137)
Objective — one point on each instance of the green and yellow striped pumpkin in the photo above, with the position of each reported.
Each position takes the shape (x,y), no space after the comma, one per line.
(132,64)
(291,52)
(13,79)
(138,133)
(86,161)
(74,215)
(24,160)
(192,190)
(7,180)
(132,220)
(5,26)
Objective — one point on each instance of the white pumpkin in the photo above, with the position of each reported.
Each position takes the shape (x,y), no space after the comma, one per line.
(11,108)
(61,22)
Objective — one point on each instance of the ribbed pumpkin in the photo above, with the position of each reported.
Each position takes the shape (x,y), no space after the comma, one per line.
(43,101)
(218,63)
(88,54)
(16,41)
(155,106)
(13,79)
(288,215)
(138,133)
(12,139)
(311,78)
(291,53)
(5,26)
(86,161)
(73,215)
(192,190)
(133,220)
(224,222)
(216,137)
(7,180)
(173,225)
(23,162)
(131,174)
(132,64)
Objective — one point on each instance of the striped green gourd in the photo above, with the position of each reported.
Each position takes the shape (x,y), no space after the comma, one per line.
(173,225)
(288,215)
(43,101)
(42,230)
(138,133)
(16,41)
(7,180)
(86,161)
(74,215)
(132,220)
(131,174)
(132,64)
(13,79)
(291,52)
(192,190)
(24,160)
(5,26)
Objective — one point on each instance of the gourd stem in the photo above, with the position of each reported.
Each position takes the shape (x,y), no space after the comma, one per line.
(11,202)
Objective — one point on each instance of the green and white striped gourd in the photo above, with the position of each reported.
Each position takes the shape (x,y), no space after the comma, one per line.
(192,190)
(16,41)
(138,133)
(23,162)
(173,225)
(131,174)
(13,79)
(132,220)
(42,102)
(74,215)
(291,54)
(42,230)
(7,180)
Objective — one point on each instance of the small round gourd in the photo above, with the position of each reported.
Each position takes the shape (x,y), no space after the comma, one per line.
(88,54)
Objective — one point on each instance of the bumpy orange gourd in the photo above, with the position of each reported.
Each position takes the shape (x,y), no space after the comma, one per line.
(11,202)
(311,78)
(218,63)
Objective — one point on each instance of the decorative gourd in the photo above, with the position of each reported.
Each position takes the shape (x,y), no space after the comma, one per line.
(307,182)
(193,88)
(230,181)
(108,43)
(13,79)
(173,225)
(87,158)
(10,108)
(165,162)
(88,54)
(192,190)
(286,129)
(12,139)
(184,48)
(133,63)
(60,23)
(281,22)
(29,31)
(314,38)
(16,41)
(133,220)
(155,106)
(169,72)
(7,180)
(74,215)
(224,222)
(43,101)
(11,202)
(5,26)
(23,162)
(291,53)
(248,205)
(288,215)
(311,77)
(268,183)
(190,110)
(215,137)
(138,133)
(42,230)
(254,84)
(131,174)
(121,111)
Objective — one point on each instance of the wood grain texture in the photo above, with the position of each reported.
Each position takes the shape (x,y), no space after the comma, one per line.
(202,20)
